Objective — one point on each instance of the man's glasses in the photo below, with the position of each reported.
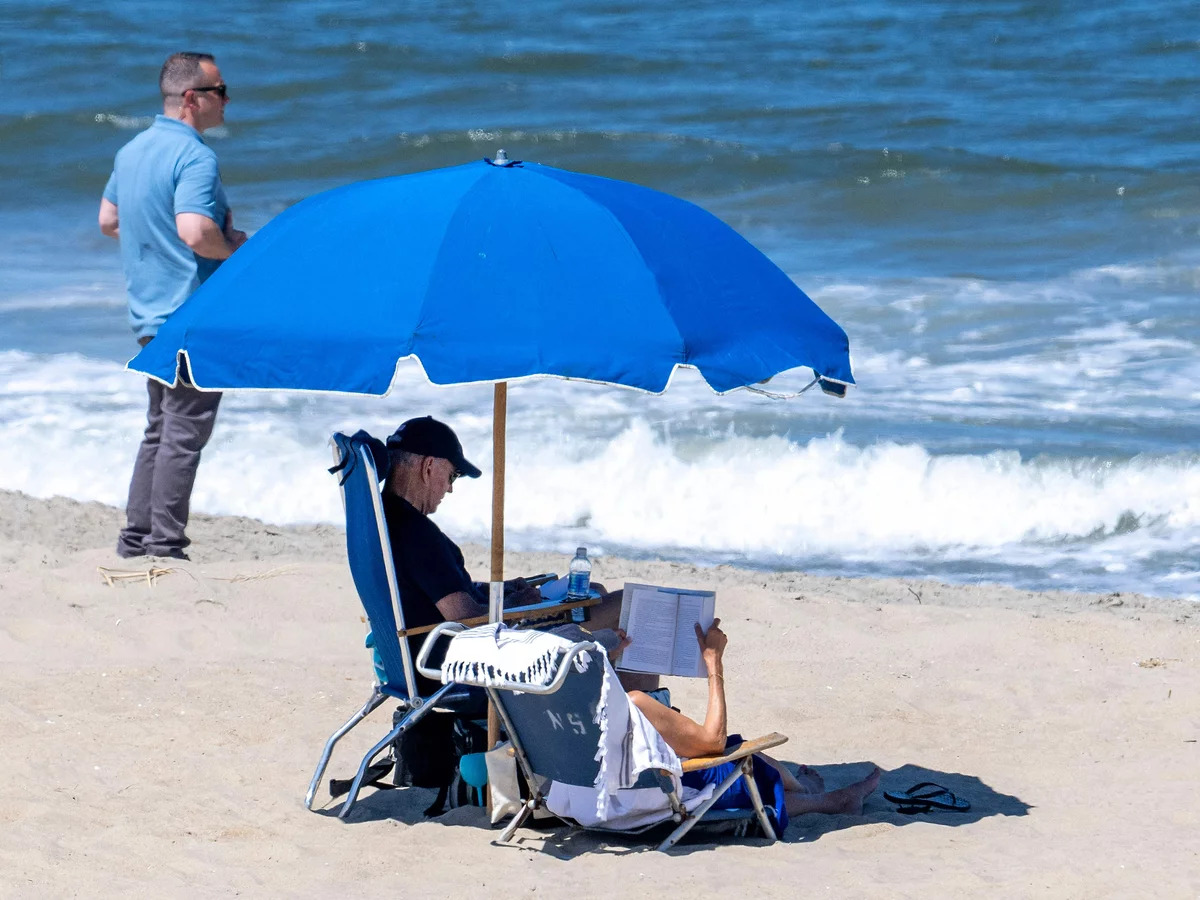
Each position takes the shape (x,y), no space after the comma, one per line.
(220,90)
(454,477)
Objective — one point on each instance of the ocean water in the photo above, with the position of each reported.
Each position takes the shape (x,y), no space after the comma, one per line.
(998,201)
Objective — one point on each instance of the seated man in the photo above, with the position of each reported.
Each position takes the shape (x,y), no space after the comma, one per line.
(426,458)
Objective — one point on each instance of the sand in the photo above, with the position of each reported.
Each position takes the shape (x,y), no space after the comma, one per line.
(159,734)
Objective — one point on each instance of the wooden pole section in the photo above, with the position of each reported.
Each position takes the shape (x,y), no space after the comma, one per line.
(496,598)
(499,420)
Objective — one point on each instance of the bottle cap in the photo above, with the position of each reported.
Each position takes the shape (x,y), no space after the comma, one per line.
(581,551)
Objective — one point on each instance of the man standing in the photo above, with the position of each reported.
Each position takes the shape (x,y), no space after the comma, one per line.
(166,204)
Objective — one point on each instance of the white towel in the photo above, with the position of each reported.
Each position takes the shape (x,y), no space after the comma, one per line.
(495,655)
(629,745)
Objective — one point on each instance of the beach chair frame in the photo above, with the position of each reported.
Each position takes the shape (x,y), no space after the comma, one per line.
(369,552)
(543,761)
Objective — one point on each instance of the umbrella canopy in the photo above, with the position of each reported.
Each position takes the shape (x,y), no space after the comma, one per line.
(491,272)
(494,271)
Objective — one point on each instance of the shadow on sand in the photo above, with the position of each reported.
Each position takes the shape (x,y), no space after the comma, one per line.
(552,837)
(985,801)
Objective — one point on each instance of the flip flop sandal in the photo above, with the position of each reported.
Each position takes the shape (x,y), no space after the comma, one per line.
(924,797)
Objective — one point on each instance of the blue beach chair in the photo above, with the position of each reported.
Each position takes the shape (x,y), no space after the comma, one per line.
(358,461)
(554,735)
(370,556)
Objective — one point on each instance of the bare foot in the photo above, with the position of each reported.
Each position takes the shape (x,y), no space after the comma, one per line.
(809,780)
(804,780)
(843,801)
(857,793)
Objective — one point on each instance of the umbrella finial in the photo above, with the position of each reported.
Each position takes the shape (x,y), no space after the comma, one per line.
(502,159)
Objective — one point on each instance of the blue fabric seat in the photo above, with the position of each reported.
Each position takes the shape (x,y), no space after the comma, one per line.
(549,751)
(359,459)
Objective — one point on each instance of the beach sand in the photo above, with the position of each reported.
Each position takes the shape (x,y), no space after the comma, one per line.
(158,738)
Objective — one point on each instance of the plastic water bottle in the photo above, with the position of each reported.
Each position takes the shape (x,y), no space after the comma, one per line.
(579,582)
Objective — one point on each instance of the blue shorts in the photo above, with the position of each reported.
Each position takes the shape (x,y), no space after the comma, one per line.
(766,778)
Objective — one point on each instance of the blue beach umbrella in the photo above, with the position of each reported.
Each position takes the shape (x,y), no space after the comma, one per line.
(489,272)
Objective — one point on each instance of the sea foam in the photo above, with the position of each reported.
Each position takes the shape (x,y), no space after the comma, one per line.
(647,478)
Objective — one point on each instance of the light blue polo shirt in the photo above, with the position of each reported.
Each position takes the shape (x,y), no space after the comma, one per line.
(165,170)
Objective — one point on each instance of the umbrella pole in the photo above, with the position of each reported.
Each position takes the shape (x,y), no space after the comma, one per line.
(496,596)
(499,418)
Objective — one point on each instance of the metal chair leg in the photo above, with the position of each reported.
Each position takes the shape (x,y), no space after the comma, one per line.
(697,814)
(744,769)
(522,814)
(405,723)
(747,767)
(377,697)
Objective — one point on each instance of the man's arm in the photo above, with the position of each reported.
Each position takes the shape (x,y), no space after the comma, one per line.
(110,222)
(460,605)
(205,238)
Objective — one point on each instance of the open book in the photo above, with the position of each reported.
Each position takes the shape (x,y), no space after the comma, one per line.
(661,624)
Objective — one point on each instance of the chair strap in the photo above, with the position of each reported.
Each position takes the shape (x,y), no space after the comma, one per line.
(379,453)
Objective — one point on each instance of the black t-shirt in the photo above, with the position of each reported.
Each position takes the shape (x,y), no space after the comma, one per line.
(429,566)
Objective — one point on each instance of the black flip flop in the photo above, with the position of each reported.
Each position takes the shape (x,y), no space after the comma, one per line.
(926,796)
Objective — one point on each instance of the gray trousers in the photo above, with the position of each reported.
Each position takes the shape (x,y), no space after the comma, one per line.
(179,422)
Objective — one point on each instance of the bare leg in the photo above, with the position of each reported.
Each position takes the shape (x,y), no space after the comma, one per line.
(810,780)
(845,801)
(805,781)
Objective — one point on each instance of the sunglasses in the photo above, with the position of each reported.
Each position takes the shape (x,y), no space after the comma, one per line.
(454,476)
(220,90)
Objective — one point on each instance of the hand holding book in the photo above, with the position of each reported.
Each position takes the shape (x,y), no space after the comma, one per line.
(663,625)
(712,646)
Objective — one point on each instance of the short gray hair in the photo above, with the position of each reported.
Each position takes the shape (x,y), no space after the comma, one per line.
(181,71)
(403,459)
(399,460)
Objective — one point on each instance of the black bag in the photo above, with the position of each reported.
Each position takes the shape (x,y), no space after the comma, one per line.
(427,754)
(424,753)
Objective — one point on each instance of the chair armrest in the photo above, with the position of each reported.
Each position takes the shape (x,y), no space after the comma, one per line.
(440,629)
(533,610)
(451,629)
(738,751)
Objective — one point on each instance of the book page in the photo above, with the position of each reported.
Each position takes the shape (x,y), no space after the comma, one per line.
(694,606)
(661,623)
(648,616)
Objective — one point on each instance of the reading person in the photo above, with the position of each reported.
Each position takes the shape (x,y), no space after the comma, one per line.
(801,793)
(425,459)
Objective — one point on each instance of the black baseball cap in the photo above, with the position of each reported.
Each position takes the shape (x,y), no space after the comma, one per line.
(427,436)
